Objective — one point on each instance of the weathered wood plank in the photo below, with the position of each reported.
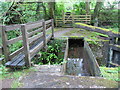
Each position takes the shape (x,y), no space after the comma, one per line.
(26,45)
(33,32)
(31,39)
(13,60)
(44,35)
(11,41)
(12,55)
(13,27)
(52,28)
(82,18)
(48,21)
(82,15)
(36,49)
(17,61)
(4,43)
(33,26)
(48,29)
(22,63)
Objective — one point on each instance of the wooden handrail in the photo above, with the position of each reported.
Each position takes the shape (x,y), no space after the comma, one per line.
(28,37)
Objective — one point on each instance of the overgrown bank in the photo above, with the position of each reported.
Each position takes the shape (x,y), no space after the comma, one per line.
(53,55)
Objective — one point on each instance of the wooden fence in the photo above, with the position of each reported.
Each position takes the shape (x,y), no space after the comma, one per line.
(73,18)
(33,38)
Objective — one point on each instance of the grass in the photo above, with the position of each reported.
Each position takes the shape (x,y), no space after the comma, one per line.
(9,74)
(89,36)
(15,75)
(110,73)
(16,84)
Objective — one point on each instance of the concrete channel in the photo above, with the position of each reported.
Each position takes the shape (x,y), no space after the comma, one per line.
(79,59)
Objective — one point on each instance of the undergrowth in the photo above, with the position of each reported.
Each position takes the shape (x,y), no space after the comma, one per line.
(111,73)
(14,74)
(53,55)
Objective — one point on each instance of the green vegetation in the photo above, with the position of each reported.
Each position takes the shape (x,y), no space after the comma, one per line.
(94,27)
(111,73)
(24,12)
(88,35)
(14,74)
(53,55)
(6,73)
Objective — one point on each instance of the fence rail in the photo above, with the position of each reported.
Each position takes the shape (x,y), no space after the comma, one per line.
(33,38)
(73,19)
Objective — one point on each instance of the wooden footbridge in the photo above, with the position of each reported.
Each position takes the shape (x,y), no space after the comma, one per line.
(35,36)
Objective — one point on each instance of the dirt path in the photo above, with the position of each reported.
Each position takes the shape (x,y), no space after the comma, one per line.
(50,76)
(62,31)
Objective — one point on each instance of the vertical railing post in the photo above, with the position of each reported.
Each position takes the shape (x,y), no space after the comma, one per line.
(44,35)
(86,18)
(72,20)
(4,42)
(26,45)
(52,20)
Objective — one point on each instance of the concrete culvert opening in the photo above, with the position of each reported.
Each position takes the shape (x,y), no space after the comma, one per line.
(79,60)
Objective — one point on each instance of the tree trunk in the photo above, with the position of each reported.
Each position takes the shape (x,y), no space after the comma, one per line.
(87,7)
(96,12)
(45,12)
(51,10)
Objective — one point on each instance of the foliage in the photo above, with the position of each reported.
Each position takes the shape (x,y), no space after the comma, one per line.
(15,74)
(60,8)
(110,73)
(16,84)
(7,73)
(79,8)
(108,17)
(52,55)
(3,70)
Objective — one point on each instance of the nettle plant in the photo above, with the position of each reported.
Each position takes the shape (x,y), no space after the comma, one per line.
(52,55)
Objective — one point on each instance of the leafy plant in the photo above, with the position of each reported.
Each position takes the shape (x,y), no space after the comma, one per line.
(110,73)
(52,55)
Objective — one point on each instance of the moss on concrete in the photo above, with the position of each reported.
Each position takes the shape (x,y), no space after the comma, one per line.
(94,27)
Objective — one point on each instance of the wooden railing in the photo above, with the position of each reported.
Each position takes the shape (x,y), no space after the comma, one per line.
(6,42)
(73,19)
(31,34)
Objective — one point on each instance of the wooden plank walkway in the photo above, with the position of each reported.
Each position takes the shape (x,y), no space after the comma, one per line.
(19,60)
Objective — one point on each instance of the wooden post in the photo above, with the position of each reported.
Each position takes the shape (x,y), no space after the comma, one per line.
(44,35)
(72,20)
(4,42)
(52,28)
(64,19)
(56,22)
(86,18)
(26,45)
